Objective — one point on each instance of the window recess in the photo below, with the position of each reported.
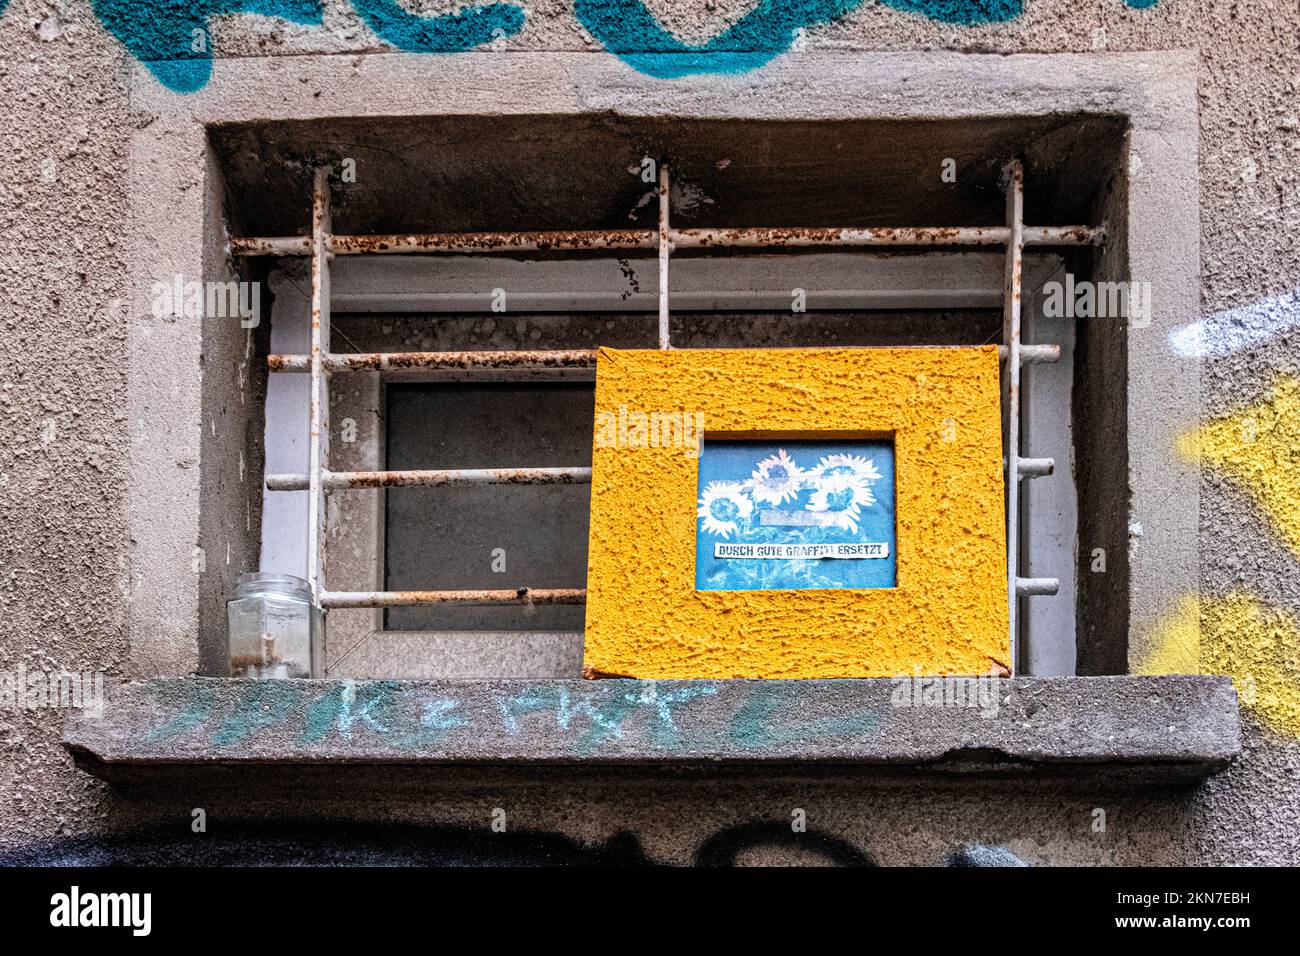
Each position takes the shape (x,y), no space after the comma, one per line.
(392,307)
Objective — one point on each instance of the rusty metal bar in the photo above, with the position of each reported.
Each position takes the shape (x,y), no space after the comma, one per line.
(318,407)
(804,237)
(1063,235)
(649,239)
(466,243)
(521,596)
(342,480)
(517,359)
(385,361)
(1011,386)
(270,246)
(665,245)
(1030,354)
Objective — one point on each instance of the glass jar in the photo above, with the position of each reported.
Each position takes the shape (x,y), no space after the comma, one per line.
(274,629)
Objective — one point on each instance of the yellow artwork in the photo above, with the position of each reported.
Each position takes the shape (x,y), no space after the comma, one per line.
(942,606)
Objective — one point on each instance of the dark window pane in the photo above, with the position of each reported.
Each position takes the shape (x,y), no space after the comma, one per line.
(444,538)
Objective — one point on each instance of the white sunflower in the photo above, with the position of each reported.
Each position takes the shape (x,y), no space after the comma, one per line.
(863,468)
(842,497)
(776,479)
(722,505)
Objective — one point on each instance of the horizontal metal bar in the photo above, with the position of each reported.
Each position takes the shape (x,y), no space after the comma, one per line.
(1063,235)
(1035,467)
(340,480)
(648,239)
(270,246)
(514,359)
(612,299)
(1029,587)
(352,599)
(796,238)
(776,238)
(383,361)
(1032,354)
(470,242)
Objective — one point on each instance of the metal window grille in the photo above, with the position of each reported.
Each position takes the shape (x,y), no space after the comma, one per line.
(323,245)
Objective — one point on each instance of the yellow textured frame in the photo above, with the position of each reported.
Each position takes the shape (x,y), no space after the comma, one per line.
(948,613)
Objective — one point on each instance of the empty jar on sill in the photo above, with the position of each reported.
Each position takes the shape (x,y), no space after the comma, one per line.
(274,629)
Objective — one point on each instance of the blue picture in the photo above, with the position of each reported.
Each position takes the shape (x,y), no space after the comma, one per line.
(784,515)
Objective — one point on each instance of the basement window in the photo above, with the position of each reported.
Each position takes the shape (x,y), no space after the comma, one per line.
(471,179)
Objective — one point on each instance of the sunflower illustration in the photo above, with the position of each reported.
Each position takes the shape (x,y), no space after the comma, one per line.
(776,479)
(863,468)
(842,497)
(722,505)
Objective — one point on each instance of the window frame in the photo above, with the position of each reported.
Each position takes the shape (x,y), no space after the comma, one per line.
(183,532)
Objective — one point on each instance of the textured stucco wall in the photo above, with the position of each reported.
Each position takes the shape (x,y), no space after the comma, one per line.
(66,586)
(948,613)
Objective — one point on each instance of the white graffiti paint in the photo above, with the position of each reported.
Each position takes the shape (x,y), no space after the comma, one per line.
(1236,330)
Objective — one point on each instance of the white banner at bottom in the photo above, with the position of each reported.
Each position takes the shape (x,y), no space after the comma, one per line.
(846,550)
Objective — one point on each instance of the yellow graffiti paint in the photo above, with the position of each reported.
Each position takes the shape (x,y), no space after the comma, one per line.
(1258,646)
(1175,647)
(948,613)
(1259,448)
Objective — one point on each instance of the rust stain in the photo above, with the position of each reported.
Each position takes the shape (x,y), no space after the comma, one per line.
(568,239)
(498,476)
(479,598)
(593,239)
(816,235)
(363,361)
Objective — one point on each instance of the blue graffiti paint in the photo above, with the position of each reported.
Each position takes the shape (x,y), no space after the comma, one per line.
(663,730)
(453,33)
(605,710)
(202,701)
(605,718)
(966,13)
(172,37)
(173,40)
(755,725)
(633,34)
(436,723)
(372,704)
(630,31)
(450,33)
(264,704)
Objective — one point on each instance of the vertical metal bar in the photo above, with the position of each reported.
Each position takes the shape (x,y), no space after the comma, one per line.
(318,454)
(1011,385)
(663,255)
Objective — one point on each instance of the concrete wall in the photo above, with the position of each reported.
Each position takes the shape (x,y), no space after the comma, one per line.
(99,426)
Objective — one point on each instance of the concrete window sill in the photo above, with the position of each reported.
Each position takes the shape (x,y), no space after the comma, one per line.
(1144,729)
